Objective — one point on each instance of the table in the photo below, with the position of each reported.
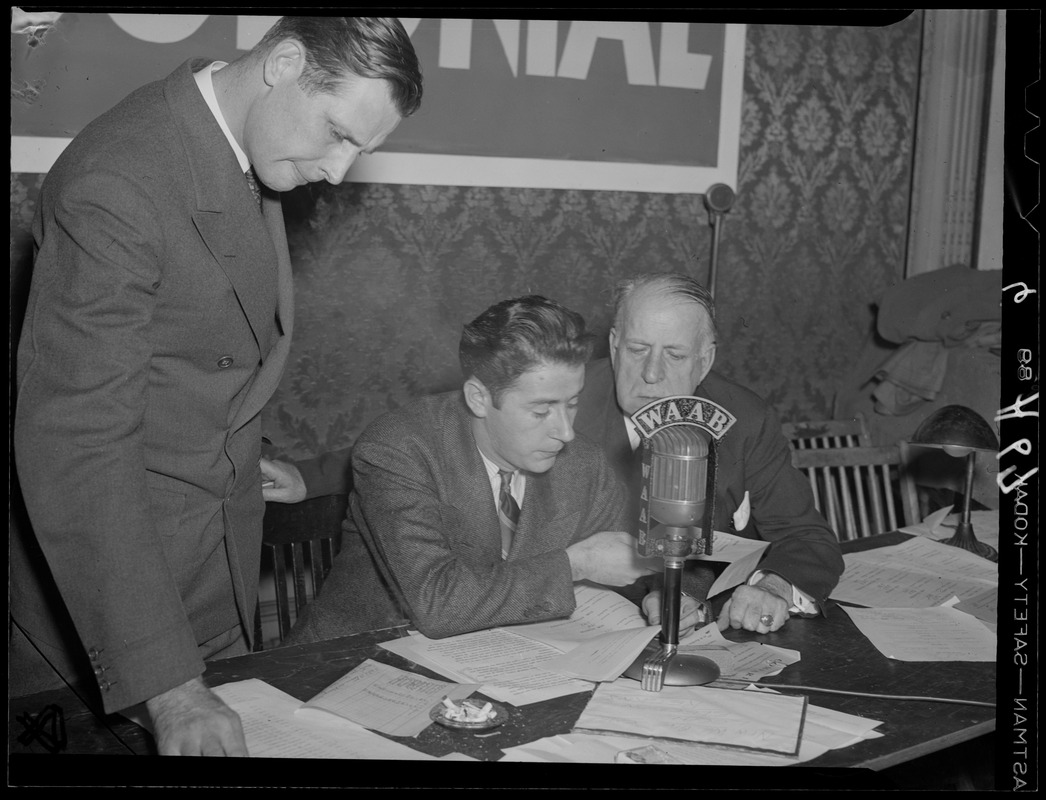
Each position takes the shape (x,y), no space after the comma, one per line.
(834,656)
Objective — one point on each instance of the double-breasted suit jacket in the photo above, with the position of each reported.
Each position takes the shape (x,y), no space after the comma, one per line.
(759,495)
(423,504)
(158,325)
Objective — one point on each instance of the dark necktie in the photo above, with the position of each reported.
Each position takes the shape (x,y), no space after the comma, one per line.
(252,182)
(508,512)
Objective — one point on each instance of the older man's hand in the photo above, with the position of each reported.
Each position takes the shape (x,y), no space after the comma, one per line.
(749,607)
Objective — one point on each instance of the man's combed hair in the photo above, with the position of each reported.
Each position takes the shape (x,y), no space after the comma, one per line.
(674,284)
(369,47)
(514,336)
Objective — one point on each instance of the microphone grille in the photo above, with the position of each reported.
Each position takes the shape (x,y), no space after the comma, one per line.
(719,198)
(679,464)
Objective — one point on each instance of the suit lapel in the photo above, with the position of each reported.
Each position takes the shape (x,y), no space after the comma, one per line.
(268,377)
(468,486)
(250,248)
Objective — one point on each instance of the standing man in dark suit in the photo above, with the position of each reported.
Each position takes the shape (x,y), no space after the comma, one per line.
(663,343)
(158,325)
(479,507)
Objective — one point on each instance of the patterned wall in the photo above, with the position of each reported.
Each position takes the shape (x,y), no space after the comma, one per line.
(386,275)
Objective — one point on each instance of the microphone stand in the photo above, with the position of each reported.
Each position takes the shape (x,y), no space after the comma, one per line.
(660,663)
(717,218)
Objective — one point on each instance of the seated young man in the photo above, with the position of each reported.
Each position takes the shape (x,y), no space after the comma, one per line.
(478,507)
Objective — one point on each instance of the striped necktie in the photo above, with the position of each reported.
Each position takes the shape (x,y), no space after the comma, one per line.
(252,182)
(508,512)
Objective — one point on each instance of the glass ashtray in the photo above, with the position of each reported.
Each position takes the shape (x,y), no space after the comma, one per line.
(496,715)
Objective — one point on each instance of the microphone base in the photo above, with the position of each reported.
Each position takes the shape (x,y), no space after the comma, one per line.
(681,669)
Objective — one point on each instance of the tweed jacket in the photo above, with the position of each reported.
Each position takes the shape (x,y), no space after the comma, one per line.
(759,495)
(158,325)
(422,503)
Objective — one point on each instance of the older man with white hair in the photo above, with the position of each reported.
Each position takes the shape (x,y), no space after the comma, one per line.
(663,343)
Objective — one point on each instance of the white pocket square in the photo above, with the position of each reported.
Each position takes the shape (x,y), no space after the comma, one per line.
(744,511)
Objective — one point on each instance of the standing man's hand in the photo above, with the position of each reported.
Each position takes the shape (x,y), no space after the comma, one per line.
(281,482)
(191,720)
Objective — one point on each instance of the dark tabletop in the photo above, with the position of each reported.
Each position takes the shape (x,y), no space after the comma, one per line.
(835,655)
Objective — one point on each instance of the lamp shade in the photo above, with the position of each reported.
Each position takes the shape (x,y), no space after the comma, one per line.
(957,430)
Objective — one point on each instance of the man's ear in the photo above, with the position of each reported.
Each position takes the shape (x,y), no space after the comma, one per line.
(613,345)
(477,397)
(707,359)
(285,59)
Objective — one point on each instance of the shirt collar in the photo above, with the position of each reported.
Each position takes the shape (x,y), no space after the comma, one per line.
(206,83)
(516,484)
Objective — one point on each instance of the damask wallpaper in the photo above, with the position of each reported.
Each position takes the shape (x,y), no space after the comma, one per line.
(386,275)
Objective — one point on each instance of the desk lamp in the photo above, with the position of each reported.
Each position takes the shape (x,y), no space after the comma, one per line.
(960,432)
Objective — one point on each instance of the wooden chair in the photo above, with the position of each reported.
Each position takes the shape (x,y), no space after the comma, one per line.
(827,433)
(299,542)
(861,491)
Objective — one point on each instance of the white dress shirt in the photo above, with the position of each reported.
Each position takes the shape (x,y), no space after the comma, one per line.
(517,484)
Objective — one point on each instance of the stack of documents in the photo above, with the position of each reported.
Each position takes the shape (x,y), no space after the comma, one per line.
(823,730)
(926,601)
(525,664)
(273,729)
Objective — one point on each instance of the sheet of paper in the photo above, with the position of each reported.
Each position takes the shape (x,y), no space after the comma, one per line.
(925,634)
(273,730)
(823,730)
(886,586)
(386,699)
(730,547)
(510,667)
(984,606)
(748,661)
(932,557)
(605,657)
(598,611)
(737,573)
(931,526)
(941,525)
(917,573)
(752,720)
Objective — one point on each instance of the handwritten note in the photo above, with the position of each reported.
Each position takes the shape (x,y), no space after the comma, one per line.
(760,721)
(925,634)
(386,699)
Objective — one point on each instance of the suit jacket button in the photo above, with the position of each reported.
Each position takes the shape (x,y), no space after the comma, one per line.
(224,362)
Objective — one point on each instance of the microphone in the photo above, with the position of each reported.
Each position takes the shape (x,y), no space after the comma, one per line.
(718,200)
(677,512)
(675,488)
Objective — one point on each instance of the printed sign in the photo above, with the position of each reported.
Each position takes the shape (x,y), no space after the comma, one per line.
(567,104)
